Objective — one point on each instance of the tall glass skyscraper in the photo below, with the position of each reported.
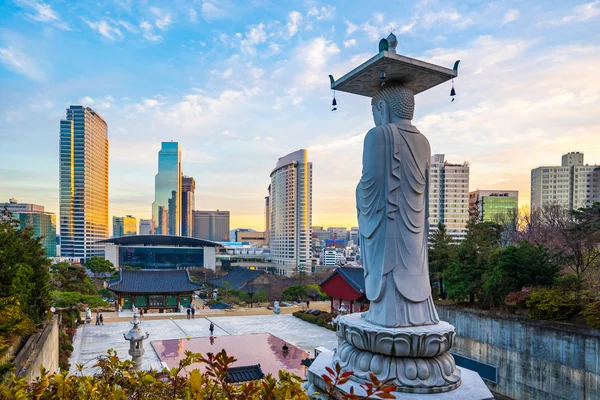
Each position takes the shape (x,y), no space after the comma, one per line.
(166,209)
(41,222)
(83,183)
(188,187)
(290,207)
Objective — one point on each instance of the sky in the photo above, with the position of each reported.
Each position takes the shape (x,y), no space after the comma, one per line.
(240,84)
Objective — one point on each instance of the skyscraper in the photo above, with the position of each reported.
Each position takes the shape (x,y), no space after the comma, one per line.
(572,185)
(166,209)
(124,226)
(449,196)
(494,205)
(33,216)
(211,225)
(267,218)
(83,183)
(290,203)
(145,226)
(188,187)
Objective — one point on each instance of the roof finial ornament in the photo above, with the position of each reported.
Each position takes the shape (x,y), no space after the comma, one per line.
(392,42)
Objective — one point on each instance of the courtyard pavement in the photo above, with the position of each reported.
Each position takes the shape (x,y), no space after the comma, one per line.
(92,341)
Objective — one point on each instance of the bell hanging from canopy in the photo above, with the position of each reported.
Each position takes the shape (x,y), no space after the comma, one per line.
(452,92)
(334,102)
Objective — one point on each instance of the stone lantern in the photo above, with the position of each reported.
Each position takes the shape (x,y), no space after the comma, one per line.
(136,337)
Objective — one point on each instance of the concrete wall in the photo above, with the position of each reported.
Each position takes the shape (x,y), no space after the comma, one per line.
(535,359)
(40,349)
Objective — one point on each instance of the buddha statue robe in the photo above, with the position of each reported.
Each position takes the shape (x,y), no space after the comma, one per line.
(392,204)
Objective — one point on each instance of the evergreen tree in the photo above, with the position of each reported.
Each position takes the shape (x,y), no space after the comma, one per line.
(442,253)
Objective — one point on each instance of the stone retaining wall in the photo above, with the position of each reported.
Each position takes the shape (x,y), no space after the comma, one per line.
(535,359)
(40,349)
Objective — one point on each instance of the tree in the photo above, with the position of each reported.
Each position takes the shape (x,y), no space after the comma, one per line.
(72,278)
(464,277)
(14,324)
(23,268)
(295,292)
(441,254)
(99,265)
(515,267)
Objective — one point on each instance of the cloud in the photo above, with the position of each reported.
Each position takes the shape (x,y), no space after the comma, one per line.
(148,33)
(350,43)
(129,27)
(43,12)
(445,17)
(163,18)
(193,15)
(510,16)
(19,62)
(580,13)
(295,18)
(211,11)
(253,37)
(327,12)
(105,29)
(229,133)
(146,104)
(313,56)
(351,28)
(86,101)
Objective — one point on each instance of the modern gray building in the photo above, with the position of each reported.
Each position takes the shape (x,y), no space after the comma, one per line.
(166,208)
(145,227)
(211,225)
(449,196)
(83,183)
(35,217)
(188,188)
(572,185)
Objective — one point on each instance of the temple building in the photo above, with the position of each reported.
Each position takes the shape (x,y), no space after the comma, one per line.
(346,288)
(162,290)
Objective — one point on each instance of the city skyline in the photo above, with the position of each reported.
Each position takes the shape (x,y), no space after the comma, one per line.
(239,86)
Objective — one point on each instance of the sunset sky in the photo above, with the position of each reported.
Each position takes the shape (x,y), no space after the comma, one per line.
(239,84)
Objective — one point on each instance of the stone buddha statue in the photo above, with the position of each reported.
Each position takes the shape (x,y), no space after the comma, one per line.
(392,200)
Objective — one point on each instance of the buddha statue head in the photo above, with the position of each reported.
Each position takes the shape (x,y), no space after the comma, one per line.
(393,102)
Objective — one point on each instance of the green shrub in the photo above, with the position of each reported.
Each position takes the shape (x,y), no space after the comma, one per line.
(591,312)
(323,319)
(552,303)
(70,299)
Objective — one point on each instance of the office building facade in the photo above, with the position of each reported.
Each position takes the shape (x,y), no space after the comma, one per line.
(449,196)
(291,213)
(83,183)
(145,227)
(572,185)
(35,217)
(124,226)
(267,218)
(211,225)
(188,189)
(166,208)
(493,205)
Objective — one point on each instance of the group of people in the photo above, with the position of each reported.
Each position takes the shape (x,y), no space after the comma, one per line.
(191,311)
(99,319)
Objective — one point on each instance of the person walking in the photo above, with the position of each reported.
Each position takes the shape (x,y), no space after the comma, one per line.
(307,303)
(211,328)
(193,312)
(188,313)
(97,318)
(101,320)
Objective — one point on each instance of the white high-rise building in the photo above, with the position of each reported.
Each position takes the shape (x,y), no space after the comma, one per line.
(449,196)
(145,226)
(83,183)
(290,206)
(572,185)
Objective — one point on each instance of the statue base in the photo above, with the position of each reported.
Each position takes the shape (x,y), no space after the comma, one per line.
(471,388)
(416,358)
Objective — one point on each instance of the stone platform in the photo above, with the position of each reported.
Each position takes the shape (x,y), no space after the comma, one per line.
(471,388)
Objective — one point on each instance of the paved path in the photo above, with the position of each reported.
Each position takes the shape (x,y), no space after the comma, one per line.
(92,341)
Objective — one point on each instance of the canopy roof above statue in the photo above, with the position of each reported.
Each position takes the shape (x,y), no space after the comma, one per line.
(365,80)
